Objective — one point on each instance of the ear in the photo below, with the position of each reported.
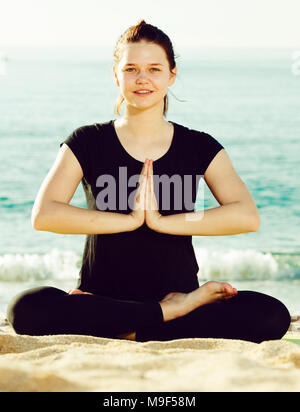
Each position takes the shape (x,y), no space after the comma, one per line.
(173,76)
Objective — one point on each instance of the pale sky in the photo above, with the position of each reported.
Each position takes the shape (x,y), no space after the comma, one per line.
(257,23)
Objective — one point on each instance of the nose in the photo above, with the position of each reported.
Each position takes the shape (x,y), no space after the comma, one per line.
(141,77)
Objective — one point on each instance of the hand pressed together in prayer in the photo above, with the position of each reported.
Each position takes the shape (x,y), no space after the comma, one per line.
(145,203)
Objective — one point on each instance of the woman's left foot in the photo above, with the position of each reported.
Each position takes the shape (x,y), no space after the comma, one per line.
(128,336)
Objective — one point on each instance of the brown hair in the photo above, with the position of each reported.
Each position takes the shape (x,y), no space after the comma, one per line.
(134,34)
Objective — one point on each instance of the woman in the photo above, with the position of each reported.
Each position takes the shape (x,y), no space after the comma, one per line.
(138,278)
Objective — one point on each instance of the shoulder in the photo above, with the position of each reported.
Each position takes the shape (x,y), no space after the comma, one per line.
(89,131)
(198,137)
(86,129)
(200,147)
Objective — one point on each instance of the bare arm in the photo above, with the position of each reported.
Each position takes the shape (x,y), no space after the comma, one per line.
(51,211)
(237,213)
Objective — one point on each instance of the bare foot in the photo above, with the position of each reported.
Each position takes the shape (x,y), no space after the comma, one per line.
(176,304)
(128,336)
(78,292)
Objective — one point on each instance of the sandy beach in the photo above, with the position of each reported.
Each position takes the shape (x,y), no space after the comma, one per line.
(233,94)
(72,363)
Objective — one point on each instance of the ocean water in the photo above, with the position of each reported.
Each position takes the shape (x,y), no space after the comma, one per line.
(248,99)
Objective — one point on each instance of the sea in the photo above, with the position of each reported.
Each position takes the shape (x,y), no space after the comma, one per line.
(247,98)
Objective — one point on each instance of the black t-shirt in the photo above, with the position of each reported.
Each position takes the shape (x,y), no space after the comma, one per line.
(141,264)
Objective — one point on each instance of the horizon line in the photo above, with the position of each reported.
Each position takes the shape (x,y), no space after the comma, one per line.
(175,47)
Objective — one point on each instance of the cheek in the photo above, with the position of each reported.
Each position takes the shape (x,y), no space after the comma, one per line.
(129,82)
(162,82)
(124,79)
(126,84)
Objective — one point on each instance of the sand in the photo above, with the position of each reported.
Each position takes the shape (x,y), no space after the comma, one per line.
(72,363)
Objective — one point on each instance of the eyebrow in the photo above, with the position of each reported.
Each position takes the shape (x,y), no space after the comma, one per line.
(150,64)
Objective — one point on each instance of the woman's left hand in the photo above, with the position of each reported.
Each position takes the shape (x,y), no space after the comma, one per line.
(153,216)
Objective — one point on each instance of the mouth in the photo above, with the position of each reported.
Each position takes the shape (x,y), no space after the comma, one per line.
(143,93)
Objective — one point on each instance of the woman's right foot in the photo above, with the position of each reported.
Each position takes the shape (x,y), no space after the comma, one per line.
(176,304)
(78,292)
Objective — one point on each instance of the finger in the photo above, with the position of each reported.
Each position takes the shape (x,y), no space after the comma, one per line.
(150,174)
(151,192)
(150,166)
(144,165)
(147,168)
(152,197)
(142,177)
(147,165)
(143,191)
(143,180)
(154,205)
(140,193)
(143,171)
(148,192)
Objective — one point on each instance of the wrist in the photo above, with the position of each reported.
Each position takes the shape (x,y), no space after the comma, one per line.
(158,224)
(134,222)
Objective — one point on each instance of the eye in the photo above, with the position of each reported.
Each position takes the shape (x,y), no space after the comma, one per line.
(131,68)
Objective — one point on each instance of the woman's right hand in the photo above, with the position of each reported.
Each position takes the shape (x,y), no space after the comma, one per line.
(138,212)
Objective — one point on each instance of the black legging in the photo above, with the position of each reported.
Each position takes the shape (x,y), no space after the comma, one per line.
(250,316)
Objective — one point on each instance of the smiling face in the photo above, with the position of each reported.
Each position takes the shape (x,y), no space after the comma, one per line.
(143,65)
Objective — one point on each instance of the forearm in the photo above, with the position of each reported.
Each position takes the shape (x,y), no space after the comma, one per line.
(230,219)
(68,219)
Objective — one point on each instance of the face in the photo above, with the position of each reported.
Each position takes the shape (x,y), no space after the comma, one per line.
(136,70)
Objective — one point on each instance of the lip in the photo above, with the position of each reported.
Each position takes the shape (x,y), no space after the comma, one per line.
(143,90)
(143,94)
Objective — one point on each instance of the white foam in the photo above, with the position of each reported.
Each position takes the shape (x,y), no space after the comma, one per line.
(213,264)
(236,264)
(27,267)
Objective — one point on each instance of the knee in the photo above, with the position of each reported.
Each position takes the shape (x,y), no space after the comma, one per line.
(24,312)
(277,320)
(269,318)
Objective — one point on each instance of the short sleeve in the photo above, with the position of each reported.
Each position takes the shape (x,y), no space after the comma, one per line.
(79,141)
(209,147)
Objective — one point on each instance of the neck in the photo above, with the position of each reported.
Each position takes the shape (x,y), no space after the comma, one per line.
(144,125)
